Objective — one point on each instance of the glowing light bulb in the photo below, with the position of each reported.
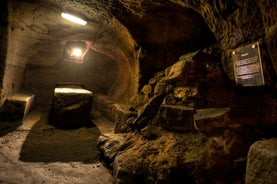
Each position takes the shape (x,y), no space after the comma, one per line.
(76,52)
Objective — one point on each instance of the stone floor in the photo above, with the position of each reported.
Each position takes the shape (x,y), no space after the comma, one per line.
(35,152)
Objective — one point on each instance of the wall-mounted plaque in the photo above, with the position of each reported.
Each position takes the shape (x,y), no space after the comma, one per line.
(247,65)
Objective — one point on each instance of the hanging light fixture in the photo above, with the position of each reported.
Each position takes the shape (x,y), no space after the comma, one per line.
(73,18)
(74,51)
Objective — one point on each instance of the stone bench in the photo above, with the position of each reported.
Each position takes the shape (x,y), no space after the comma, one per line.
(71,106)
(16,107)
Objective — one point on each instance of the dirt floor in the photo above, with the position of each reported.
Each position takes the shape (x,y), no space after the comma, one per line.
(33,151)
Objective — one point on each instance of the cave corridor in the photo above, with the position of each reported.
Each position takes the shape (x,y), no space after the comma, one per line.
(138,91)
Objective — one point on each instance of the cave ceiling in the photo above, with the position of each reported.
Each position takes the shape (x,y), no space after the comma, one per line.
(152,24)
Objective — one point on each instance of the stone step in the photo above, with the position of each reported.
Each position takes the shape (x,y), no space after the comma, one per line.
(103,104)
(207,120)
(104,125)
(114,111)
(16,107)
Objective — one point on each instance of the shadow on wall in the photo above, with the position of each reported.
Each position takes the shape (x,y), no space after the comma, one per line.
(45,143)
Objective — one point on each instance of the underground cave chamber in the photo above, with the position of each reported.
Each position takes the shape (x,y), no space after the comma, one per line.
(189,86)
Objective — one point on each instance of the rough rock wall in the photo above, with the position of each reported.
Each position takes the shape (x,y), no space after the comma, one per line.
(16,57)
(192,137)
(3,44)
(236,23)
(35,39)
(164,31)
(117,44)
(122,48)
(169,148)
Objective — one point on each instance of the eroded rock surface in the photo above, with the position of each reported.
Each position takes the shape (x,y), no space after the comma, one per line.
(172,157)
(262,162)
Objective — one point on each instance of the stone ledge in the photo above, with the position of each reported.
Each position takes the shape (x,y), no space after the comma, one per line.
(118,113)
(104,105)
(176,118)
(207,120)
(16,107)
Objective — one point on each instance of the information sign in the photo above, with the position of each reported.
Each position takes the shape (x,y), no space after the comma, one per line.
(247,65)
